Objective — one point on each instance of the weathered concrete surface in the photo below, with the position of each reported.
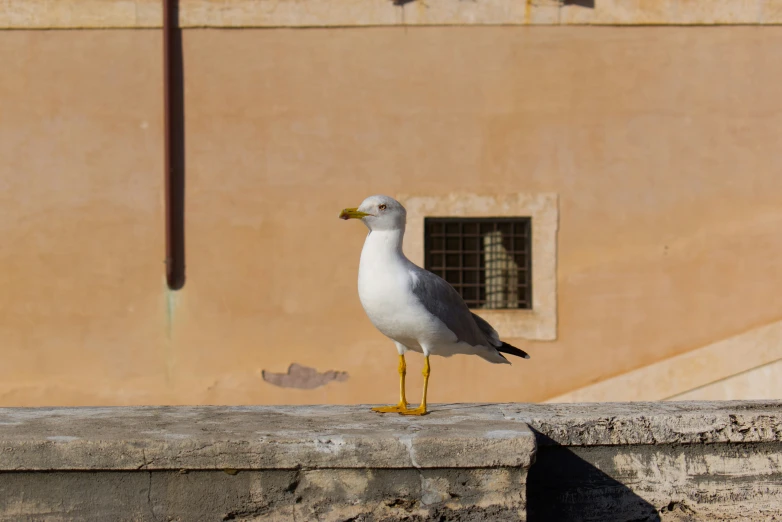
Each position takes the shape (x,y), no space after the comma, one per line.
(657,423)
(277,463)
(704,482)
(655,460)
(599,462)
(41,14)
(258,438)
(276,495)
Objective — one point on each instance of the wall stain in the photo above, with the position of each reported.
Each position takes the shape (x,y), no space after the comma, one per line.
(303,377)
(173,298)
(171,302)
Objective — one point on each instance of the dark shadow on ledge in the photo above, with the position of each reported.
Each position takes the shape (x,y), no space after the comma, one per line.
(562,486)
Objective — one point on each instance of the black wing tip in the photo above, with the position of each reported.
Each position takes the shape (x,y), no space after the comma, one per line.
(512,350)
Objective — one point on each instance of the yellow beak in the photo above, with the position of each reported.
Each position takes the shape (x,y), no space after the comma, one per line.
(352,213)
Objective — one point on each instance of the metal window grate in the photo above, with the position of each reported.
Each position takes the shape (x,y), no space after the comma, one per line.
(487,260)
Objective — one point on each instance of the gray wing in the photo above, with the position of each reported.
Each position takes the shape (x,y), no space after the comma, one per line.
(488,330)
(445,303)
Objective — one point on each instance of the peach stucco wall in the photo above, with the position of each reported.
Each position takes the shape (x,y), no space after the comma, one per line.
(663,145)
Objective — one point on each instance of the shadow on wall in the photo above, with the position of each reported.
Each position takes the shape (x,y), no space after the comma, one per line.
(562,486)
(582,3)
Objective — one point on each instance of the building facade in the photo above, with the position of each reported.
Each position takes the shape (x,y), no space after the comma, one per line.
(642,139)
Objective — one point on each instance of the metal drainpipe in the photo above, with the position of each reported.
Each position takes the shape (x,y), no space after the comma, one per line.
(173,101)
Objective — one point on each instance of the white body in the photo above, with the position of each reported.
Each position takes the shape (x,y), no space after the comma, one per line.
(385,281)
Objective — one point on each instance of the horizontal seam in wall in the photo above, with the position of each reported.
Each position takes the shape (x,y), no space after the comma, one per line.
(377,26)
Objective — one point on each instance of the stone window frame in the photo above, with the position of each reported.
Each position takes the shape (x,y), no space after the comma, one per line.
(538,323)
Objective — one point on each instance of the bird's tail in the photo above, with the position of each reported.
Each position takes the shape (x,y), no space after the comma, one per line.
(512,350)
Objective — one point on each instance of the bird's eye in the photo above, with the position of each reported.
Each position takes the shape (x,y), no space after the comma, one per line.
(382,207)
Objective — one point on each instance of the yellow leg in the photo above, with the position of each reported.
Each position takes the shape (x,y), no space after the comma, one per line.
(421,410)
(402,406)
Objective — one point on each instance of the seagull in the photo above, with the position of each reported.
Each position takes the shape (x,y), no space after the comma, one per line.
(418,310)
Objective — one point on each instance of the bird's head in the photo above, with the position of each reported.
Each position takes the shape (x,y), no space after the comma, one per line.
(378,213)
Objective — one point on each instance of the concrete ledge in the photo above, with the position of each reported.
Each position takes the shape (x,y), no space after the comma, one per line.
(75,14)
(257,438)
(652,423)
(655,461)
(597,461)
(275,463)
